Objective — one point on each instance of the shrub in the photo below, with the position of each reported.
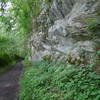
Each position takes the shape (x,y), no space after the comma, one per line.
(26,62)
(54,81)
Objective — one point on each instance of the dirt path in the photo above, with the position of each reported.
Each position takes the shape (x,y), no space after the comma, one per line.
(9,82)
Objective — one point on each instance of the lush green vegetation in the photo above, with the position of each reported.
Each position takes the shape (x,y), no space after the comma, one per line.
(12,40)
(43,80)
(51,81)
(26,11)
(15,24)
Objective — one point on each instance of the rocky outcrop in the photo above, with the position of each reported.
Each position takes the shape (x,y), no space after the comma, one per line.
(68,32)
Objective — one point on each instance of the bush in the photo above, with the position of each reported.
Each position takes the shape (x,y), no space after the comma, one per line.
(10,44)
(26,62)
(50,81)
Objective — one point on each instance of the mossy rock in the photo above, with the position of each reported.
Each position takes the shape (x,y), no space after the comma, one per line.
(47,58)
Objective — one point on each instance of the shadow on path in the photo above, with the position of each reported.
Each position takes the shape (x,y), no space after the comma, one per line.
(9,82)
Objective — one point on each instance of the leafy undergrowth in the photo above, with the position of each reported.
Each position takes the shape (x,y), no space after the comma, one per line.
(26,63)
(50,81)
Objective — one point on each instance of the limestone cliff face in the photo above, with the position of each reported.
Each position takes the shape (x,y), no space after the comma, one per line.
(67,31)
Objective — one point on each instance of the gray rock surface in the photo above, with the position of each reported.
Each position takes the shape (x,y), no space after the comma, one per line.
(66,39)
